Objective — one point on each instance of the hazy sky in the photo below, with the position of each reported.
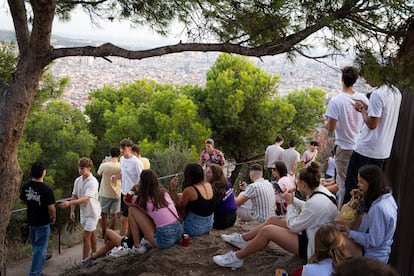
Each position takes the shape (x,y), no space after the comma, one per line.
(80,27)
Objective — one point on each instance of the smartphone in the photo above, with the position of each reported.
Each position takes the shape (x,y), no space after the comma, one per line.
(277,188)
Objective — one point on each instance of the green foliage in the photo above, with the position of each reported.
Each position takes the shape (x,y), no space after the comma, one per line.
(58,136)
(309,105)
(172,160)
(243,106)
(49,89)
(145,111)
(8,61)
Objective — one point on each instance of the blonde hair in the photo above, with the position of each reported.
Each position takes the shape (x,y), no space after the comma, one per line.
(329,243)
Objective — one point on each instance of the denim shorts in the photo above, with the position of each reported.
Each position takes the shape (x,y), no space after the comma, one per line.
(195,225)
(166,236)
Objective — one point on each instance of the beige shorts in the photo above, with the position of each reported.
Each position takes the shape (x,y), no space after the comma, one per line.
(89,223)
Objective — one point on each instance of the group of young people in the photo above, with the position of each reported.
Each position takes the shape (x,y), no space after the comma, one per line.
(158,218)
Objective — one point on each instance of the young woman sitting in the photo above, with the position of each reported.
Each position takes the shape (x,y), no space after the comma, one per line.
(226,208)
(154,215)
(374,236)
(197,200)
(296,233)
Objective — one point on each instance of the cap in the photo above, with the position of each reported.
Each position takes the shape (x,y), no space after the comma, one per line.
(209,141)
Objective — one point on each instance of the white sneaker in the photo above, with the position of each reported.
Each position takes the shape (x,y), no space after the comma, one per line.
(228,260)
(235,239)
(146,243)
(119,251)
(140,249)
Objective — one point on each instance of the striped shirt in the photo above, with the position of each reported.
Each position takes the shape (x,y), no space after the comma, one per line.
(262,196)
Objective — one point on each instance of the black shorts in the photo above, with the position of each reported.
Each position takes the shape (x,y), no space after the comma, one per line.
(124,207)
(303,245)
(128,241)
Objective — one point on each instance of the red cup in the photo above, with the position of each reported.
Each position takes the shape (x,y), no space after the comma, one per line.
(128,196)
(186,240)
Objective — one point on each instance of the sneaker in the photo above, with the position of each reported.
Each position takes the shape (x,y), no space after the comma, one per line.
(87,260)
(48,256)
(119,251)
(228,260)
(140,249)
(235,239)
(146,243)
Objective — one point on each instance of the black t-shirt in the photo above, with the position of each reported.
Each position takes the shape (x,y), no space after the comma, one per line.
(38,196)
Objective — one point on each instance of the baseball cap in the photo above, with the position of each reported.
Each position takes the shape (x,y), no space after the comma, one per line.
(209,141)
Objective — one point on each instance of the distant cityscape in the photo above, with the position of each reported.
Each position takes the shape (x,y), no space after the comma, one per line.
(89,73)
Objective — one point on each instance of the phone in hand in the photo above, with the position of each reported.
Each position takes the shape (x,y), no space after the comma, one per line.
(277,188)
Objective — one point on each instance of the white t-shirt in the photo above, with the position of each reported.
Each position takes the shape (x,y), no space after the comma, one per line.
(131,169)
(273,153)
(384,103)
(321,268)
(348,120)
(290,156)
(88,187)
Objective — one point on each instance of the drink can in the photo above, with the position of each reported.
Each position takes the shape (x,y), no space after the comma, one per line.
(186,240)
(128,196)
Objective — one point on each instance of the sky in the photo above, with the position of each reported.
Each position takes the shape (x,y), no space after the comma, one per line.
(80,27)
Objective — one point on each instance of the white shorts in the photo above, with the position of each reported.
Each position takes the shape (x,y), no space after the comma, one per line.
(89,223)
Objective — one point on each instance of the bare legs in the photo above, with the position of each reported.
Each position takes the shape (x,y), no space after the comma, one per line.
(274,220)
(112,224)
(140,223)
(274,229)
(112,239)
(124,226)
(89,241)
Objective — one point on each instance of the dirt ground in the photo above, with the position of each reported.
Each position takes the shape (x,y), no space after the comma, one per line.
(196,259)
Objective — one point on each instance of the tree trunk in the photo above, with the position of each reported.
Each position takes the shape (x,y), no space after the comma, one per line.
(16,99)
(12,117)
(399,169)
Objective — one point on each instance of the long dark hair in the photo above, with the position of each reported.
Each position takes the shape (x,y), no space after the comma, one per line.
(280,166)
(310,175)
(150,189)
(219,182)
(193,174)
(377,184)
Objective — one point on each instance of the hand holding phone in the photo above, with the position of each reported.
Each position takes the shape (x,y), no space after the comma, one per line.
(277,188)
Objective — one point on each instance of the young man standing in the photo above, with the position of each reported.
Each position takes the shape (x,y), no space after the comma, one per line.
(110,190)
(136,150)
(346,122)
(211,155)
(41,212)
(85,194)
(273,153)
(291,158)
(310,155)
(131,168)
(374,143)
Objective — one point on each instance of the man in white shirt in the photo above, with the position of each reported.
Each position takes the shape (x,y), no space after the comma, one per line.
(261,194)
(346,122)
(374,143)
(273,154)
(131,169)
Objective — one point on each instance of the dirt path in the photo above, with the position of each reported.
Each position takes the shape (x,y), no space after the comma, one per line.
(53,267)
